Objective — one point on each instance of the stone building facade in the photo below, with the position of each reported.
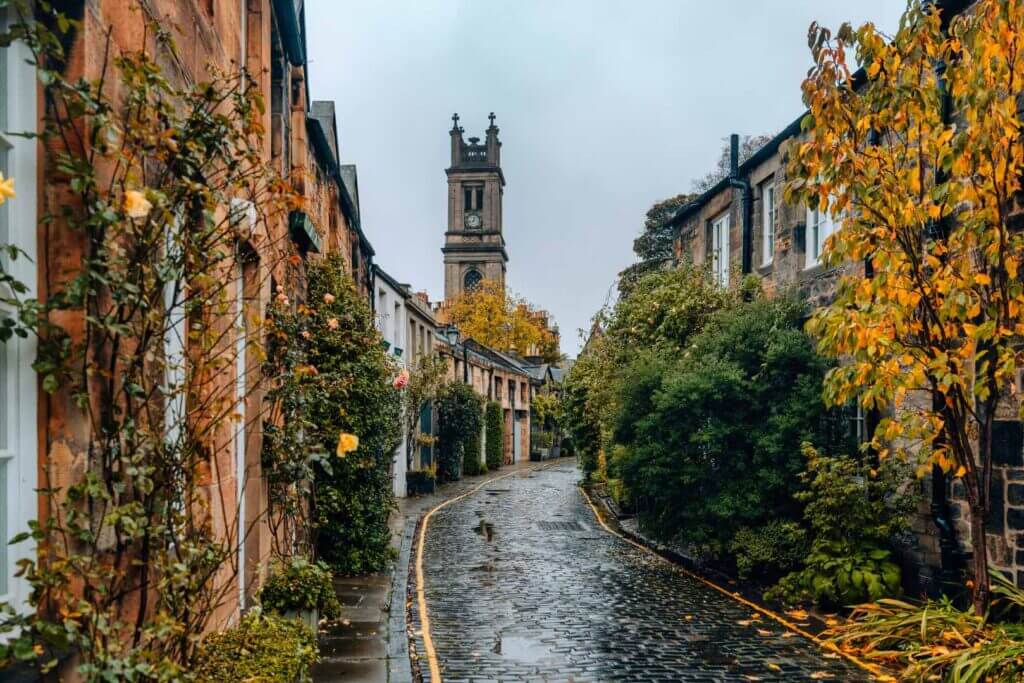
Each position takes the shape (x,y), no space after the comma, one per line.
(47,435)
(474,246)
(494,376)
(741,227)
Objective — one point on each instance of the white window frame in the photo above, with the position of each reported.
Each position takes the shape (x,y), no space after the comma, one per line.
(243,215)
(720,249)
(769,209)
(20,501)
(820,224)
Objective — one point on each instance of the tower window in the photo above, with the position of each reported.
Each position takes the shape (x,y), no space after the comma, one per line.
(473,197)
(472,279)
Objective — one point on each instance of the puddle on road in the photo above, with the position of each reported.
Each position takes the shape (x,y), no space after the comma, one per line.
(485,529)
(521,649)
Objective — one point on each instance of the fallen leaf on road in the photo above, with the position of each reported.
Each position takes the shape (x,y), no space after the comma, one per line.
(820,675)
(745,622)
(764,632)
(797,613)
(788,634)
(689,617)
(773,666)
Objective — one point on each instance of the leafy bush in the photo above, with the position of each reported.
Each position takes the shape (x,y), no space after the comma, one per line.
(459,421)
(768,552)
(541,440)
(853,512)
(494,423)
(582,424)
(714,436)
(299,584)
(352,392)
(661,312)
(262,647)
(474,464)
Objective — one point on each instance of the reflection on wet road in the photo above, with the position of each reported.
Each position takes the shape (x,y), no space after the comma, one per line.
(523,585)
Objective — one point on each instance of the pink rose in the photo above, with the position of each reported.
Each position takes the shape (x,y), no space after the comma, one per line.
(401,380)
(328,298)
(332,323)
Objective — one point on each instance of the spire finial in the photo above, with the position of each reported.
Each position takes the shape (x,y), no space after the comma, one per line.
(455,121)
(491,118)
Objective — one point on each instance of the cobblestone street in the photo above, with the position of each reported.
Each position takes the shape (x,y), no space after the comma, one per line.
(522,584)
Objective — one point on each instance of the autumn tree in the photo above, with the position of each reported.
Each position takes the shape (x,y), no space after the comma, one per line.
(921,157)
(494,317)
(656,237)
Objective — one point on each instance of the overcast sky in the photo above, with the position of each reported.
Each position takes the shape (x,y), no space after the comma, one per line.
(604,108)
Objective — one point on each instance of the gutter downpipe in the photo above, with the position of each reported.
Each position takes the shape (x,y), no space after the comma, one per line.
(744,186)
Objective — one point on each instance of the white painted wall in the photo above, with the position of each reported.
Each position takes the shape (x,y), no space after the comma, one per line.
(391,317)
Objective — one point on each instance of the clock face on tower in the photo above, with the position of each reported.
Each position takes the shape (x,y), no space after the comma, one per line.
(473,221)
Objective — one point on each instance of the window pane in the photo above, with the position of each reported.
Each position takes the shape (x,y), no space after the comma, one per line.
(3,80)
(5,386)
(5,534)
(5,230)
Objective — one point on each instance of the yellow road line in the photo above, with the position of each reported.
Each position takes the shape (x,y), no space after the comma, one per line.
(421,600)
(870,668)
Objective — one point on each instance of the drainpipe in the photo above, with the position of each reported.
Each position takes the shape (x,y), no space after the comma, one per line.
(743,185)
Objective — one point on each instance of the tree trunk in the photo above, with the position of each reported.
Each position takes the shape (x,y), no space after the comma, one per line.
(979,545)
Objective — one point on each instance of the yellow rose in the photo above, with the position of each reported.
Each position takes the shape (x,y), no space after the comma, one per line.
(328,298)
(332,323)
(136,205)
(6,189)
(347,443)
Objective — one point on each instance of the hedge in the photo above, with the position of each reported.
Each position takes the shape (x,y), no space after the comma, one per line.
(494,423)
(459,421)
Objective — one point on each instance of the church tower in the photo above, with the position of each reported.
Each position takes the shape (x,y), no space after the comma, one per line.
(474,247)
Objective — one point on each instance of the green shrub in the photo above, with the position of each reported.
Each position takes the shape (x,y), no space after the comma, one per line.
(459,421)
(541,440)
(853,513)
(299,584)
(351,392)
(768,552)
(714,436)
(494,423)
(474,464)
(262,647)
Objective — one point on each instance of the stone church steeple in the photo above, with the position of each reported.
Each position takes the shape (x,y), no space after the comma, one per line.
(474,246)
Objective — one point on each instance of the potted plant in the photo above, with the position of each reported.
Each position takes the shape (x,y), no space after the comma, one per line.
(420,482)
(542,444)
(299,588)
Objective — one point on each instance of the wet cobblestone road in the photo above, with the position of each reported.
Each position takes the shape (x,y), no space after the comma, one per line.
(522,584)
